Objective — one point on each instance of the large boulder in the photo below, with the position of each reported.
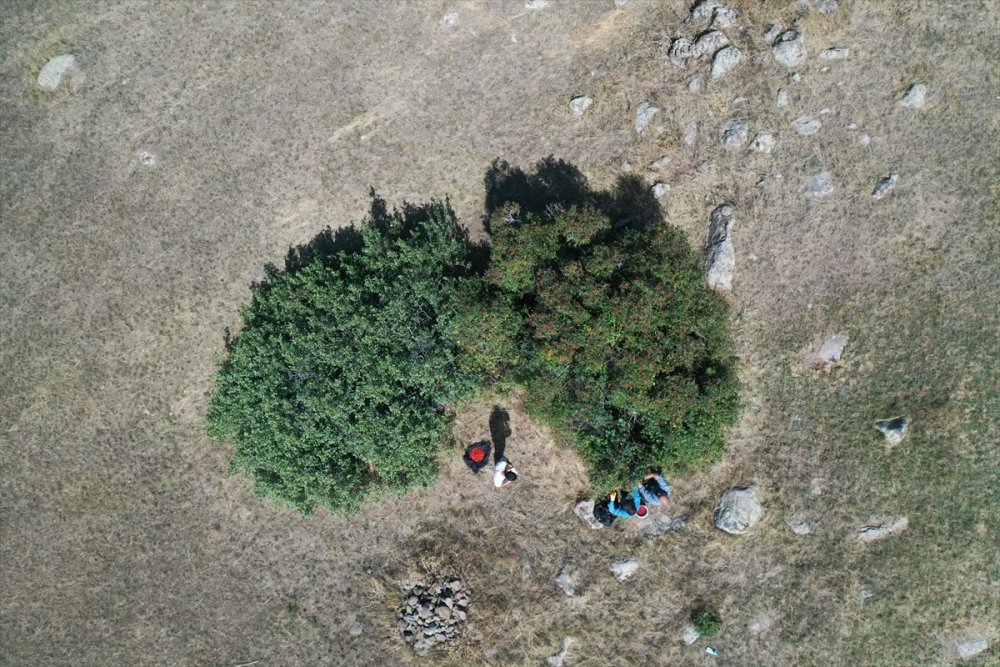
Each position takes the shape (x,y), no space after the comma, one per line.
(738,510)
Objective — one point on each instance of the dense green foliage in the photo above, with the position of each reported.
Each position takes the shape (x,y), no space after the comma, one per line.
(706,621)
(627,352)
(336,385)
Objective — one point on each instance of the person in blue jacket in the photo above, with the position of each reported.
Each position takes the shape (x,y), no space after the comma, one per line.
(628,507)
(655,490)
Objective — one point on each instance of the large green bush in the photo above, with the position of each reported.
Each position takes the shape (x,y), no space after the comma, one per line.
(336,386)
(627,353)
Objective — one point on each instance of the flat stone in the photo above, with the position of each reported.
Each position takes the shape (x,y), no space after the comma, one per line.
(885,186)
(798,525)
(56,70)
(660,189)
(690,635)
(565,582)
(557,659)
(806,125)
(724,18)
(823,6)
(536,5)
(832,349)
(738,510)
(704,10)
(763,143)
(971,647)
(864,139)
(734,133)
(680,50)
(694,82)
(147,159)
(660,163)
(835,53)
(894,429)
(585,511)
(725,61)
(819,185)
(782,99)
(690,129)
(643,115)
(709,43)
(878,531)
(355,629)
(579,105)
(772,31)
(449,19)
(789,49)
(720,256)
(915,97)
(624,568)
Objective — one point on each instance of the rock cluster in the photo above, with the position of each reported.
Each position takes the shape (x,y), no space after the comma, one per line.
(432,614)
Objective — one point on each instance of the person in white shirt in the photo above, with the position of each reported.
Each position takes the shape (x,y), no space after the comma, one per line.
(503,473)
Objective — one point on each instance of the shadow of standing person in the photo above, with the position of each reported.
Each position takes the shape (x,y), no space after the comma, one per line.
(499,431)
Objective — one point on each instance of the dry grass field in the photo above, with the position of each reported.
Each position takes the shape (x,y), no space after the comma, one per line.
(124,541)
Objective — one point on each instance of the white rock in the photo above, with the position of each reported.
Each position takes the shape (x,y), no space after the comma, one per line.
(579,105)
(782,100)
(806,125)
(725,60)
(720,256)
(971,647)
(738,511)
(834,53)
(694,82)
(557,659)
(690,132)
(660,189)
(820,185)
(864,139)
(147,158)
(764,143)
(724,17)
(885,186)
(661,162)
(832,349)
(877,531)
(894,429)
(690,635)
(709,43)
(449,19)
(703,10)
(621,3)
(643,115)
(789,49)
(536,5)
(565,582)
(355,629)
(585,510)
(794,77)
(680,51)
(798,525)
(739,101)
(915,97)
(626,166)
(52,75)
(734,133)
(624,568)
(772,32)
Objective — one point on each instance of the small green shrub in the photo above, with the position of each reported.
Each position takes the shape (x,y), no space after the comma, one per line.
(336,386)
(626,351)
(706,621)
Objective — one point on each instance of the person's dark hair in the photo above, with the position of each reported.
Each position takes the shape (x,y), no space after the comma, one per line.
(510,475)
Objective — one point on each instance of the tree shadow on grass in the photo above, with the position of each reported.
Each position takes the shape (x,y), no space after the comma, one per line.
(555,184)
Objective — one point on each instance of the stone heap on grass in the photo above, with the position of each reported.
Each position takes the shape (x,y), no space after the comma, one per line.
(433,614)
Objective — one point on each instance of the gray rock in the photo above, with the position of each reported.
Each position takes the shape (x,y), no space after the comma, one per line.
(894,429)
(624,568)
(763,143)
(915,97)
(704,10)
(725,60)
(834,53)
(680,51)
(449,19)
(643,115)
(832,349)
(147,159)
(823,6)
(56,71)
(734,133)
(798,525)
(789,49)
(690,132)
(661,162)
(690,635)
(772,31)
(885,186)
(720,256)
(565,582)
(782,99)
(661,525)
(878,531)
(536,5)
(621,3)
(806,125)
(819,185)
(709,43)
(738,510)
(970,647)
(443,612)
(422,646)
(864,595)
(557,659)
(355,629)
(864,139)
(585,510)
(724,18)
(579,105)
(440,637)
(694,82)
(660,189)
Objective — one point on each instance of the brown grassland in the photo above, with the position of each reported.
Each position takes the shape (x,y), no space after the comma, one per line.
(123,540)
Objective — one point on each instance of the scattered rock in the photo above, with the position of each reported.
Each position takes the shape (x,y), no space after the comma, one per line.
(355,629)
(734,133)
(680,51)
(759,624)
(831,350)
(690,132)
(738,510)
(834,53)
(864,595)
(565,582)
(449,19)
(967,647)
(806,125)
(621,3)
(894,429)
(694,82)
(824,6)
(624,568)
(557,659)
(661,162)
(56,71)
(782,100)
(720,257)
(724,18)
(709,43)
(661,525)
(690,635)
(763,143)
(789,49)
(877,531)
(643,115)
(147,159)
(660,189)
(771,32)
(208,488)
(725,60)
(885,186)
(799,525)
(704,10)
(915,97)
(585,510)
(578,105)
(864,139)
(816,486)
(536,5)
(819,185)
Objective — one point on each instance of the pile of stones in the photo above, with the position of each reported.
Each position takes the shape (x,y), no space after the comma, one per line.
(433,614)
